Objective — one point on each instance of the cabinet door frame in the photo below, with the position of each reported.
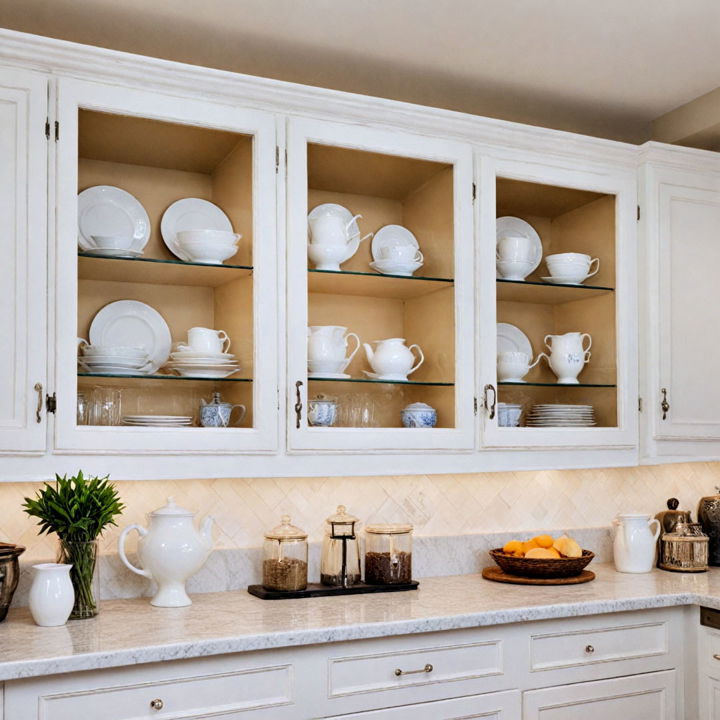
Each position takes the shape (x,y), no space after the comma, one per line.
(300,132)
(73,94)
(26,432)
(621,184)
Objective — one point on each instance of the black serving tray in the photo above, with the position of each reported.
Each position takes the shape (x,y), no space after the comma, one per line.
(318,590)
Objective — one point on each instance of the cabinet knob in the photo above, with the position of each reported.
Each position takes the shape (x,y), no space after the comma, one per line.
(589,649)
(716,657)
(157,704)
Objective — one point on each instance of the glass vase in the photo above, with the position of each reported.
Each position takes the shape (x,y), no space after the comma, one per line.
(83,558)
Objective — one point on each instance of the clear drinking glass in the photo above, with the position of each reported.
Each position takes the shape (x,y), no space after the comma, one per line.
(82,408)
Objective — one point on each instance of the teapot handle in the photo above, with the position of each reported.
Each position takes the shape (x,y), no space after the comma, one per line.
(243,412)
(422,358)
(121,549)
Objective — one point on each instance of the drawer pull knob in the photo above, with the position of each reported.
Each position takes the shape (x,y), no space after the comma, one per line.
(157,704)
(427,669)
(589,649)
(717,657)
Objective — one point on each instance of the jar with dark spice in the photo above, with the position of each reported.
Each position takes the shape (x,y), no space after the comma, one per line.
(285,558)
(388,554)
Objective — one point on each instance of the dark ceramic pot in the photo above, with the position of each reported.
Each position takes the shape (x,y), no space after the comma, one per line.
(9,575)
(709,517)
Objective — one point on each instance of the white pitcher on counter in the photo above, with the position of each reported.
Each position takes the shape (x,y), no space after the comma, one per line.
(170,551)
(392,359)
(635,543)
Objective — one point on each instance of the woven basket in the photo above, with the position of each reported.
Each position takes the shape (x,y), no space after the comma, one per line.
(541,567)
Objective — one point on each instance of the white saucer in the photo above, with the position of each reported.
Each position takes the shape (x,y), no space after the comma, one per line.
(389,268)
(328,376)
(509,225)
(388,378)
(562,281)
(119,253)
(391,236)
(512,339)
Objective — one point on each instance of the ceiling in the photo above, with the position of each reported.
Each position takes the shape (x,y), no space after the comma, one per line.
(606,68)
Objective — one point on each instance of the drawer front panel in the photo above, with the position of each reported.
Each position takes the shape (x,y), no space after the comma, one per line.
(710,652)
(422,666)
(220,694)
(587,646)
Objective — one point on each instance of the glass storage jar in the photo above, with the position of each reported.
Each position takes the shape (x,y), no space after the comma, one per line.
(685,549)
(340,562)
(285,558)
(388,554)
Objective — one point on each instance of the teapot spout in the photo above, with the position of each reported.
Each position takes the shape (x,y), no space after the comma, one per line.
(206,531)
(369,352)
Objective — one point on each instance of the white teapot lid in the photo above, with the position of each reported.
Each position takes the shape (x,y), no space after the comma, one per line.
(171,509)
(414,407)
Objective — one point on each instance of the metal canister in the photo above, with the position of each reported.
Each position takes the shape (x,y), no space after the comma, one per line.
(668,520)
(709,517)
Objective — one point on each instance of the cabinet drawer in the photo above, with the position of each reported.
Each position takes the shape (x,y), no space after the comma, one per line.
(710,652)
(586,646)
(187,697)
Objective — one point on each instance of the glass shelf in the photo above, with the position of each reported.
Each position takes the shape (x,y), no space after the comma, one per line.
(157,271)
(546,293)
(554,385)
(372,381)
(373,284)
(162,377)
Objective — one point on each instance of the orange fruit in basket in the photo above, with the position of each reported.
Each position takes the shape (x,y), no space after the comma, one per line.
(543,553)
(543,541)
(528,546)
(513,547)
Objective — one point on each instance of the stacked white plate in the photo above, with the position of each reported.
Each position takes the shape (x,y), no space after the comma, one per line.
(190,363)
(114,360)
(559,415)
(157,420)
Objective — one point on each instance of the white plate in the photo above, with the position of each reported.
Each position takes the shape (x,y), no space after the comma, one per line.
(509,225)
(108,210)
(203,363)
(562,281)
(157,417)
(133,324)
(104,252)
(512,339)
(330,376)
(191,355)
(391,236)
(404,270)
(206,372)
(113,370)
(191,214)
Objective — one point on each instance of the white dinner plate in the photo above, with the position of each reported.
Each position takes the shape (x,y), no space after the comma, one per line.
(108,210)
(391,236)
(133,324)
(191,214)
(562,281)
(105,252)
(206,372)
(512,339)
(509,225)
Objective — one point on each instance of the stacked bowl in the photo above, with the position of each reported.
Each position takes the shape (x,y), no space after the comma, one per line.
(114,359)
(209,247)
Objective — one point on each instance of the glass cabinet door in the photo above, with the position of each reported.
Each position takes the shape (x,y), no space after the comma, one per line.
(166,290)
(558,299)
(380,310)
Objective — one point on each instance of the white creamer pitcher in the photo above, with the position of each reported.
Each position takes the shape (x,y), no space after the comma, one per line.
(635,543)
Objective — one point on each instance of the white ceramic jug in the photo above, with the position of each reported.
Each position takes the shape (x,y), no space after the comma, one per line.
(635,543)
(170,551)
(331,229)
(52,595)
(327,347)
(567,355)
(571,342)
(392,359)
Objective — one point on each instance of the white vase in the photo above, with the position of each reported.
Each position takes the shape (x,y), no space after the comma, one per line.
(51,596)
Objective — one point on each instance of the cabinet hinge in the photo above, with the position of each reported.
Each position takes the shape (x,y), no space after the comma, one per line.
(277,159)
(474,191)
(638,212)
(51,403)
(475,405)
(639,404)
(47,128)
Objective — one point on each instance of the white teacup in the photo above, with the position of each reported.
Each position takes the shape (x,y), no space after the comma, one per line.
(514,366)
(207,340)
(572,267)
(113,242)
(404,254)
(514,269)
(515,247)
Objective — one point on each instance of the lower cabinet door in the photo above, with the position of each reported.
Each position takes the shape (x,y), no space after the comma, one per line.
(709,699)
(636,697)
(494,706)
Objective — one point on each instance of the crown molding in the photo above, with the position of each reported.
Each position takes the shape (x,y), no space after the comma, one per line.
(679,157)
(59,57)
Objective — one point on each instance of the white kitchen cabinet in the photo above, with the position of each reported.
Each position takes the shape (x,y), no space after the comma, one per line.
(638,697)
(387,178)
(162,149)
(680,191)
(493,706)
(23,218)
(709,698)
(590,211)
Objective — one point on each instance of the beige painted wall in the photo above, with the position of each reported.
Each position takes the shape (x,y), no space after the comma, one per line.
(435,504)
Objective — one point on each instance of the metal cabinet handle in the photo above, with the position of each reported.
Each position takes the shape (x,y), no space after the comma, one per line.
(589,649)
(490,407)
(157,704)
(664,405)
(427,669)
(716,657)
(298,404)
(38,412)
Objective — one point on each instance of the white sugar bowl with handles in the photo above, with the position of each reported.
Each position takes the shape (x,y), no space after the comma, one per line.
(170,551)
(635,542)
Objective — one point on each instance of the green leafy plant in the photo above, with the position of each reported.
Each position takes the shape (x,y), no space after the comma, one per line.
(77,509)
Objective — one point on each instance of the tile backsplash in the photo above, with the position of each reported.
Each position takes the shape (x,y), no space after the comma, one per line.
(437,505)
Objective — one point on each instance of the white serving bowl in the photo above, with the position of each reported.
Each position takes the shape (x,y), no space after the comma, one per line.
(132,353)
(113,242)
(220,237)
(207,252)
(327,257)
(514,269)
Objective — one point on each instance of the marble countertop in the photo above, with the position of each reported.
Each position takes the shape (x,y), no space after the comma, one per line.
(128,632)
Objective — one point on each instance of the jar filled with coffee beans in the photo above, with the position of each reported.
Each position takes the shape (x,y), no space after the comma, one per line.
(388,554)
(285,558)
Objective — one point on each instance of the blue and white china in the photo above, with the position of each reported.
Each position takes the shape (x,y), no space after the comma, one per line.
(322,412)
(419,415)
(217,413)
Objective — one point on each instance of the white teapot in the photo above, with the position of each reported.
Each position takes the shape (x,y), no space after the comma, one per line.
(392,359)
(635,543)
(170,551)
